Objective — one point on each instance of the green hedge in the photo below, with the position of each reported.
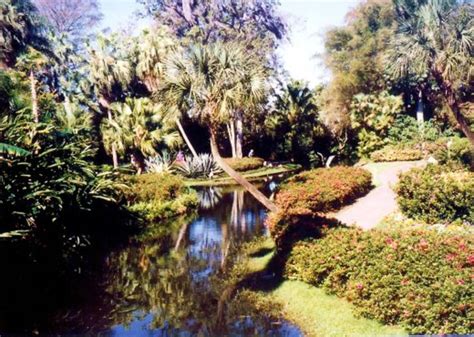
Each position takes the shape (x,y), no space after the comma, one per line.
(459,150)
(397,153)
(312,193)
(157,196)
(436,194)
(420,279)
(245,164)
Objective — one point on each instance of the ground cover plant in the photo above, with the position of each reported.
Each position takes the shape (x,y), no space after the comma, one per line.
(437,194)
(421,279)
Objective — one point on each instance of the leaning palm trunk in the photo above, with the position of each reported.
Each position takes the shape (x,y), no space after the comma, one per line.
(185,137)
(238,177)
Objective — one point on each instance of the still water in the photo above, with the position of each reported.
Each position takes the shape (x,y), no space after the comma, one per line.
(169,281)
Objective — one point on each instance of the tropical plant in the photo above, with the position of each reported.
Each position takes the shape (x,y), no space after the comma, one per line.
(161,163)
(294,124)
(435,39)
(139,128)
(213,81)
(371,117)
(202,166)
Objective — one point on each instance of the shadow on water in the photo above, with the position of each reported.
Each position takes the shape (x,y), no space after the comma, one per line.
(166,281)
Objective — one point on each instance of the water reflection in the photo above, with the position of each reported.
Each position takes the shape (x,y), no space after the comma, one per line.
(168,281)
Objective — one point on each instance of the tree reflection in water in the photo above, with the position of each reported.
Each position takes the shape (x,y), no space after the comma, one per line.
(166,282)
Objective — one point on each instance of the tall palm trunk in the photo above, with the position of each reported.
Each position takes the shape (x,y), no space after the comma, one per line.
(420,109)
(34,98)
(231,134)
(185,137)
(104,103)
(114,147)
(239,126)
(237,177)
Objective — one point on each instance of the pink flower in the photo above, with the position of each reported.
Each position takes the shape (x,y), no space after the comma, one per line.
(359,286)
(460,282)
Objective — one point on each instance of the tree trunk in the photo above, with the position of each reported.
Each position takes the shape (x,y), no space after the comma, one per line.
(231,133)
(239,178)
(185,137)
(239,134)
(114,147)
(420,109)
(34,98)
(106,106)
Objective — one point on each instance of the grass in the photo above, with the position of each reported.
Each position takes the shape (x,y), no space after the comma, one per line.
(311,309)
(320,314)
(253,175)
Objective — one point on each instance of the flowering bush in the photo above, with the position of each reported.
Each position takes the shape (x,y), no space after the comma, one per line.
(437,194)
(421,279)
(305,197)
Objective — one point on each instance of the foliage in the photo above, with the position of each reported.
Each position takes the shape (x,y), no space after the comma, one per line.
(20,28)
(257,23)
(375,270)
(402,152)
(161,163)
(371,117)
(313,193)
(407,129)
(160,196)
(453,150)
(437,194)
(53,190)
(353,53)
(436,50)
(245,164)
(203,166)
(139,127)
(294,126)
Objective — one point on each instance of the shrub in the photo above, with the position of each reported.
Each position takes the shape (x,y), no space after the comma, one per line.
(203,166)
(421,279)
(434,194)
(397,153)
(245,164)
(160,196)
(310,194)
(453,150)
(406,129)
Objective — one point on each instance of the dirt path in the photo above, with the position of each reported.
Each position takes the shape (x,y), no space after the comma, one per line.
(368,211)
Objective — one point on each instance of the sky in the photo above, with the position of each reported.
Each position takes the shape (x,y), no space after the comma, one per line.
(308,20)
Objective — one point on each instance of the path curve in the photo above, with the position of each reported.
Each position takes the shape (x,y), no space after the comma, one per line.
(368,211)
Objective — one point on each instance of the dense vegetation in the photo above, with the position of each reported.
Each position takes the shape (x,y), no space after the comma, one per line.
(437,194)
(189,96)
(421,279)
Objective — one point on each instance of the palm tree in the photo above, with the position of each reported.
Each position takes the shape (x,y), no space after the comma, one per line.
(139,127)
(211,81)
(110,73)
(435,39)
(153,47)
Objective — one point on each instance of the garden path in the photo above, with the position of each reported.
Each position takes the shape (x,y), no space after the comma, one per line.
(368,211)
